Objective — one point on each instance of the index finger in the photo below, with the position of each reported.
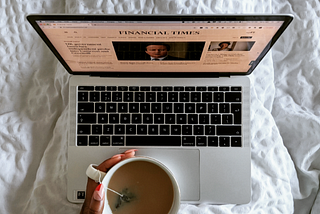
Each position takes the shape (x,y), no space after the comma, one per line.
(107,164)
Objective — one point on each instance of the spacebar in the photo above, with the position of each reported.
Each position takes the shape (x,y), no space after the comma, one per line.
(153,141)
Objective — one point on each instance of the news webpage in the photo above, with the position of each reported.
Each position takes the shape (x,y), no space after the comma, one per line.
(159,46)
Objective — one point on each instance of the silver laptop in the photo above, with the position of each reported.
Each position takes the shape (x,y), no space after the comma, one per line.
(173,87)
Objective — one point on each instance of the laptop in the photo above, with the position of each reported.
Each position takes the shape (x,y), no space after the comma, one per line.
(175,87)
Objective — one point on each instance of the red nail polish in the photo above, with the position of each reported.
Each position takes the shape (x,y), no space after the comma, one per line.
(98,193)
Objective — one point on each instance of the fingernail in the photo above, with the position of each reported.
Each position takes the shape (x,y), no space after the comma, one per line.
(98,193)
(117,156)
(130,150)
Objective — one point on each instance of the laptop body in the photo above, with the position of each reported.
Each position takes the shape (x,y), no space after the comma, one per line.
(203,68)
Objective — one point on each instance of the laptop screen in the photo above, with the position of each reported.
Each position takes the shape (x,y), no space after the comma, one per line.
(204,46)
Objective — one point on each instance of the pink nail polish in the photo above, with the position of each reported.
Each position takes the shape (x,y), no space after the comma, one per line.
(117,156)
(98,193)
(130,150)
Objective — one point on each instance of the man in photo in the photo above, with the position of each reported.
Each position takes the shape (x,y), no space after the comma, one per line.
(224,46)
(159,51)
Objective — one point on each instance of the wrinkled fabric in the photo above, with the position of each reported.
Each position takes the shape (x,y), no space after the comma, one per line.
(285,112)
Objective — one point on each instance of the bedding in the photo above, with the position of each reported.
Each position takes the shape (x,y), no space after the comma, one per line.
(285,114)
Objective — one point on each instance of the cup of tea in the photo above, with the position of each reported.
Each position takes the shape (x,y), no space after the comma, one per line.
(146,186)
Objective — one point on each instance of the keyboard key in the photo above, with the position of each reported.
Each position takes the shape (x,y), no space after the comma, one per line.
(178,108)
(139,96)
(82,140)
(123,107)
(100,107)
(184,97)
(224,108)
(181,119)
(153,130)
(156,88)
(190,108)
(128,96)
(203,119)
(145,88)
(94,96)
(201,141)
(212,88)
(134,88)
(147,118)
(235,141)
(167,88)
(96,129)
(87,118)
(104,140)
(164,129)
(215,119)
(114,118)
(122,88)
(196,97)
(108,129)
(131,129)
(201,107)
(190,88)
(153,141)
(192,119)
(150,96)
(85,107)
(213,141)
(187,130)
(236,110)
(218,97)
(227,119)
(198,130)
(117,140)
(173,97)
(119,129)
(178,88)
(84,129)
(209,130)
(106,96)
(133,107)
(162,97)
(228,130)
(236,88)
(158,118)
(167,107)
(83,96)
(175,130)
(201,88)
(111,88)
(233,97)
(136,118)
(207,97)
(145,108)
(156,107)
(212,108)
(224,88)
(224,141)
(170,118)
(117,96)
(142,129)
(94,141)
(125,118)
(86,88)
(188,141)
(111,107)
(102,118)
(100,88)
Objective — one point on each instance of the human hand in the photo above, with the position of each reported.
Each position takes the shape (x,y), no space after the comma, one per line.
(94,201)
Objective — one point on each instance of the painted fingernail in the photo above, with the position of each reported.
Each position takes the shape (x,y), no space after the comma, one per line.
(98,193)
(117,156)
(130,150)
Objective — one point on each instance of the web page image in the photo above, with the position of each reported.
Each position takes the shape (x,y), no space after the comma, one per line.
(165,48)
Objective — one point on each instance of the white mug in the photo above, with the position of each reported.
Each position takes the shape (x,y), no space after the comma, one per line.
(176,190)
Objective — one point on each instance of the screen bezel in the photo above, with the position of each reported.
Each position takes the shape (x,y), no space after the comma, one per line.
(196,18)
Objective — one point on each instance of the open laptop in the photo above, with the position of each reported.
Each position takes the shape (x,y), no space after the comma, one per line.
(174,87)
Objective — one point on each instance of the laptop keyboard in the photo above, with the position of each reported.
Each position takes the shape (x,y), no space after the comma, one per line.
(159,116)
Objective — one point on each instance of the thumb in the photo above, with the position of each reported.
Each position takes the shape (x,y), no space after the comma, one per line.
(97,200)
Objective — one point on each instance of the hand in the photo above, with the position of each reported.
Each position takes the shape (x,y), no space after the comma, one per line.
(94,201)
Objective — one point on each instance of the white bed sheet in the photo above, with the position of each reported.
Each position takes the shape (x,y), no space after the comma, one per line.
(285,115)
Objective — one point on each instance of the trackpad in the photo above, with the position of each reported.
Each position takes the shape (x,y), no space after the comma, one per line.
(185,166)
